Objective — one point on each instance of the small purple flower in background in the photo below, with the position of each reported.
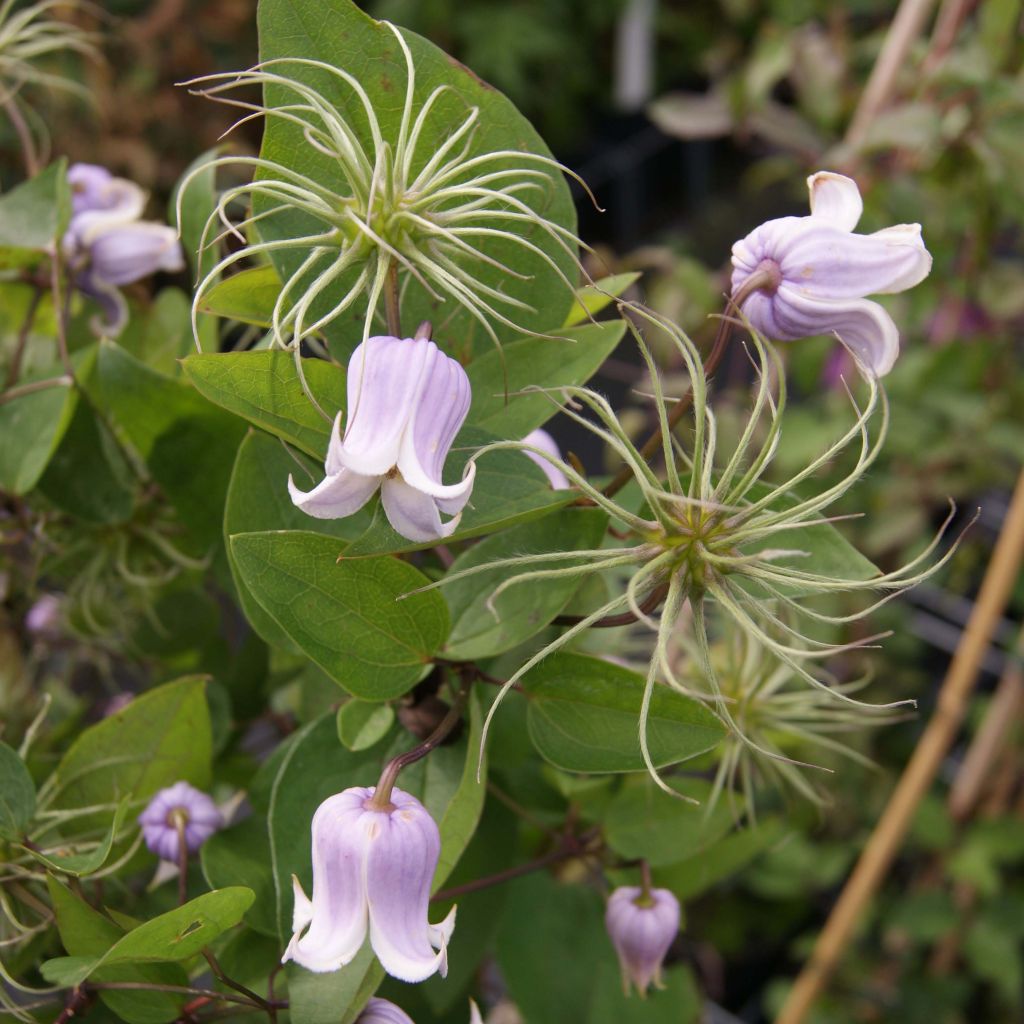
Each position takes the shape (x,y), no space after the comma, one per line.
(44,615)
(380,1011)
(180,802)
(372,869)
(642,927)
(819,273)
(406,402)
(543,440)
(107,246)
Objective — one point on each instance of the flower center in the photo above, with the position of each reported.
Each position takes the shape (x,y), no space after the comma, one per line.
(177,817)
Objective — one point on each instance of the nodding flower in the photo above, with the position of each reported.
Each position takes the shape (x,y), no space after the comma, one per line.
(106,245)
(794,277)
(372,870)
(406,402)
(179,809)
(642,925)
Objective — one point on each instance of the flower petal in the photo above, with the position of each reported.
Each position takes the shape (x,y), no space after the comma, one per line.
(864,326)
(384,381)
(836,199)
(110,301)
(400,865)
(337,927)
(412,513)
(335,496)
(128,252)
(436,418)
(545,442)
(381,1011)
(822,261)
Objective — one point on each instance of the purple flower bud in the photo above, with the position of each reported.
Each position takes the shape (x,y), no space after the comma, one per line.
(543,440)
(642,929)
(406,402)
(44,615)
(371,870)
(380,1011)
(159,820)
(821,273)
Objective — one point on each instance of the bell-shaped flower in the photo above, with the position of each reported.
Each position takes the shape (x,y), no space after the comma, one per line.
(106,245)
(641,926)
(817,273)
(381,1011)
(179,804)
(372,871)
(545,442)
(406,402)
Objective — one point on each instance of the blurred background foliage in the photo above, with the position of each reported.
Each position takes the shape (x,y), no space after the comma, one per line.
(693,121)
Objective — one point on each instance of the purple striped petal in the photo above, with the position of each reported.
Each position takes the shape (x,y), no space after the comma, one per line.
(380,1011)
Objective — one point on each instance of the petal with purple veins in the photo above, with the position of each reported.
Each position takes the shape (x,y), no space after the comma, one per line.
(412,513)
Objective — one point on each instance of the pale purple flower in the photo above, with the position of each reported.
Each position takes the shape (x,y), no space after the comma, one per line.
(641,928)
(44,616)
(372,870)
(543,440)
(159,820)
(406,402)
(106,245)
(381,1011)
(821,273)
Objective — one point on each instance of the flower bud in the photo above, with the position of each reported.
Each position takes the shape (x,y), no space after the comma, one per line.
(372,869)
(642,927)
(44,616)
(381,1011)
(180,802)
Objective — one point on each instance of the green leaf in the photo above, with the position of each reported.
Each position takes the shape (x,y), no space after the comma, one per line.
(345,614)
(187,444)
(160,333)
(338,33)
(337,997)
(248,296)
(88,475)
(86,933)
(551,362)
(180,934)
(592,298)
(522,610)
(642,821)
(584,714)
(362,724)
(258,501)
(240,855)
(81,864)
(264,388)
(34,214)
(160,737)
(38,420)
(509,489)
(17,794)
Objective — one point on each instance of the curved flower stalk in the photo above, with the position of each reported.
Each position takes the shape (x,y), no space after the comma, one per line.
(406,401)
(819,273)
(411,208)
(372,871)
(28,37)
(712,535)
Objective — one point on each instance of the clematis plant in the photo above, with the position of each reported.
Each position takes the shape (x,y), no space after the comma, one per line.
(642,923)
(794,277)
(107,246)
(406,402)
(373,862)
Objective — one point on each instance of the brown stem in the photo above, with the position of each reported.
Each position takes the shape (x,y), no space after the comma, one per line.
(394,316)
(758,280)
(78,1000)
(24,133)
(184,990)
(884,843)
(381,799)
(218,973)
(36,385)
(180,822)
(26,326)
(653,599)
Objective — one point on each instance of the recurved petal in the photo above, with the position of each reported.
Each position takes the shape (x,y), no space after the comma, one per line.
(110,301)
(546,443)
(336,496)
(864,326)
(822,261)
(836,199)
(337,925)
(400,866)
(384,382)
(413,514)
(436,418)
(129,252)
